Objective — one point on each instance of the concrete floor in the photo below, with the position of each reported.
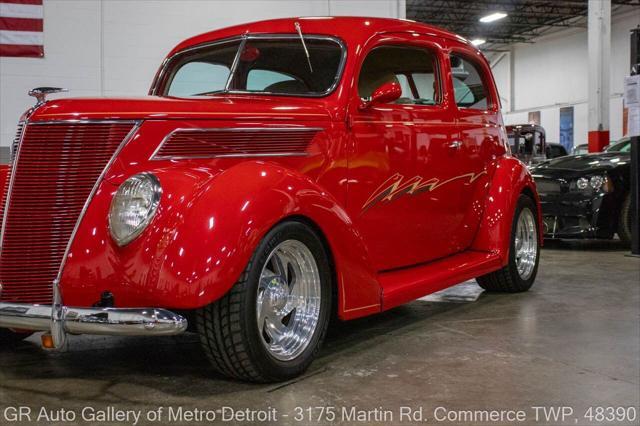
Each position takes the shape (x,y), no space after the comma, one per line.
(573,340)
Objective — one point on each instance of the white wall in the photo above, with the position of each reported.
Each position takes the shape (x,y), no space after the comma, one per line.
(553,73)
(113,47)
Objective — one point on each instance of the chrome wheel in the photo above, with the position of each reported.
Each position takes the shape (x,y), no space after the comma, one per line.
(288,302)
(526,244)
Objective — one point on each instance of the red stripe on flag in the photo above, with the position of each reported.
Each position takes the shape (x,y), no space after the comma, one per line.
(20,24)
(35,2)
(21,50)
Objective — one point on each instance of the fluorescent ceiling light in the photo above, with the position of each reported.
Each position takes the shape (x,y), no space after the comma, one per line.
(493,17)
(478,41)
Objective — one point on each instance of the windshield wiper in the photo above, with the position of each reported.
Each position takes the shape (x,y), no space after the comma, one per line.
(304,45)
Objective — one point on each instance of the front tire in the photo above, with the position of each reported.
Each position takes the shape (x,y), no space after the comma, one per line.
(624,221)
(524,253)
(271,324)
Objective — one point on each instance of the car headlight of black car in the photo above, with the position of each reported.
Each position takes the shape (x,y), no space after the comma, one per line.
(592,184)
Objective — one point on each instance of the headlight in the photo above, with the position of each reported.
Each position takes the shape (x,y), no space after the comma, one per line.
(594,184)
(582,183)
(133,207)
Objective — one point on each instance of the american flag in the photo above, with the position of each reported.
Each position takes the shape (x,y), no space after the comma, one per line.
(21,28)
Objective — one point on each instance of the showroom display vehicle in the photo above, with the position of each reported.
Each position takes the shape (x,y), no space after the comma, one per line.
(278,173)
(527,143)
(587,195)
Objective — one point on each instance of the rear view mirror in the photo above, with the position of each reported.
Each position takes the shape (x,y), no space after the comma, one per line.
(385,94)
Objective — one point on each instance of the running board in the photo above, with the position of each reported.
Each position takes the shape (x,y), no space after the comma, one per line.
(404,285)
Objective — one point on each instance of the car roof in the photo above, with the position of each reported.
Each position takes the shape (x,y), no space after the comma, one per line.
(526,128)
(351,29)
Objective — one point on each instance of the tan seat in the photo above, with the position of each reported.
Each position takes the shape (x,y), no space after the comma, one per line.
(370,81)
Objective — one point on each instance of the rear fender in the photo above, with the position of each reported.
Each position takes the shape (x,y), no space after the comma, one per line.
(510,179)
(220,228)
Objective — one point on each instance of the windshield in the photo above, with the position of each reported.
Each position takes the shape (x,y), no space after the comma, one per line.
(623,145)
(277,65)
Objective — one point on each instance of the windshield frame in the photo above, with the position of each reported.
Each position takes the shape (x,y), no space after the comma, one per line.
(159,85)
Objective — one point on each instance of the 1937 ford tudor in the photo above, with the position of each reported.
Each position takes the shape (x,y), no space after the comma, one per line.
(278,173)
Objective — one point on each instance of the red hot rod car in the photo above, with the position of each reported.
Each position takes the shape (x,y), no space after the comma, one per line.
(278,173)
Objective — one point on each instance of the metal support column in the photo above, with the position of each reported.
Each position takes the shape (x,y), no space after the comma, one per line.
(635,155)
(599,36)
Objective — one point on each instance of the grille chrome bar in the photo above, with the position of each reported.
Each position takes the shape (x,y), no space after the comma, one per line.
(58,168)
(16,141)
(7,191)
(235,142)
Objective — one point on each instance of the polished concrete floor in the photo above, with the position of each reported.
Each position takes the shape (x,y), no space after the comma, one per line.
(572,341)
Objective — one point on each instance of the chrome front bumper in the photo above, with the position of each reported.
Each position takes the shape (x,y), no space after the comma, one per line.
(59,320)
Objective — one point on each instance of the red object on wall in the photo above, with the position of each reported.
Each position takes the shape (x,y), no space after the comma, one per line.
(598,140)
(21,25)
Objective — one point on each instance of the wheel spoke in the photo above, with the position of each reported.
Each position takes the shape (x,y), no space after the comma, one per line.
(275,329)
(278,266)
(293,302)
(264,309)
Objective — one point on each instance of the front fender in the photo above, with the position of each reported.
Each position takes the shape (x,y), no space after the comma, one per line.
(205,231)
(510,179)
(225,222)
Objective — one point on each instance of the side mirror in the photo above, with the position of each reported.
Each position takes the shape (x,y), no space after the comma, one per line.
(385,94)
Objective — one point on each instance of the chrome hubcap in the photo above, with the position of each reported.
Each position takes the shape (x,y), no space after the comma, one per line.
(526,245)
(288,303)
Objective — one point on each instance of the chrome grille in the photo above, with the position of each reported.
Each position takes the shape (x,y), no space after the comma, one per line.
(56,168)
(16,141)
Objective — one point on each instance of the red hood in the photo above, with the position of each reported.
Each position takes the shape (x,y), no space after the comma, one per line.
(227,107)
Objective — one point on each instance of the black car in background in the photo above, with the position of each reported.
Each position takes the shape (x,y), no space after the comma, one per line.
(587,196)
(555,150)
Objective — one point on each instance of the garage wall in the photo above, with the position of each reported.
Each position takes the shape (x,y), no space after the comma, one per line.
(113,47)
(552,73)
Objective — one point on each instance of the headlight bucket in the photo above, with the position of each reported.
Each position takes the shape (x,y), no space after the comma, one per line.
(133,207)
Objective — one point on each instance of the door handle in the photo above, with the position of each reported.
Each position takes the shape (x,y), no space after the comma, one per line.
(455,145)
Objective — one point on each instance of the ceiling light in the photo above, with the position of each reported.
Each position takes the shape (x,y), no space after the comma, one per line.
(478,41)
(493,17)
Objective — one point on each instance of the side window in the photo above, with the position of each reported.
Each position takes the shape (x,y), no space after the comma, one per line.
(403,80)
(427,87)
(469,87)
(414,69)
(196,78)
(262,80)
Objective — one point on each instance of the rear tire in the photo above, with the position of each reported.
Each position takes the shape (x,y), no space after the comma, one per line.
(524,253)
(624,221)
(260,330)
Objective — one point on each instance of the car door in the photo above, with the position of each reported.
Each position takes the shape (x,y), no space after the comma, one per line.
(399,157)
(480,136)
